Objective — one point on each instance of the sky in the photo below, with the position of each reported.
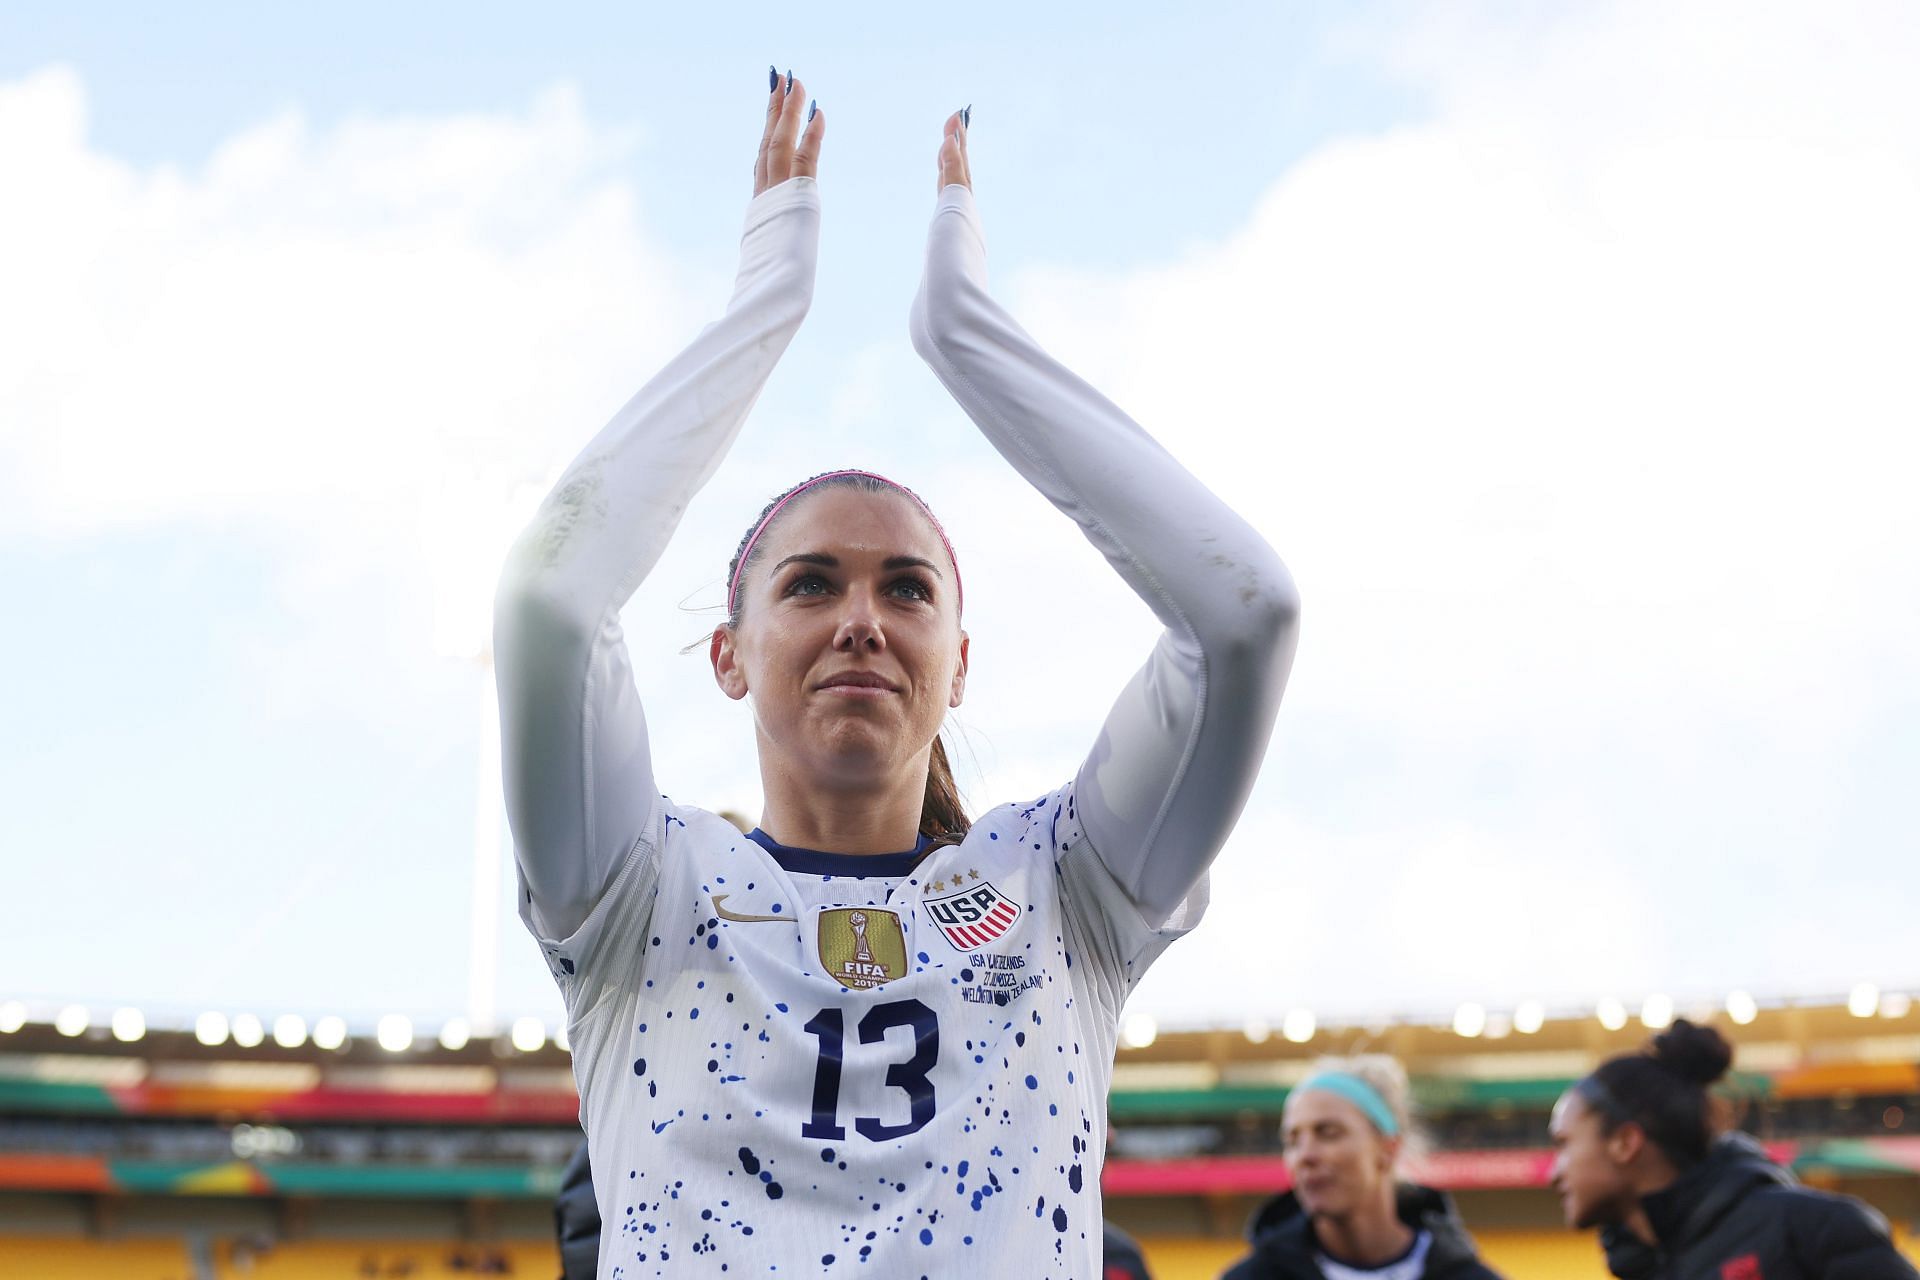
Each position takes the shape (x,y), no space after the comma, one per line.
(1563,352)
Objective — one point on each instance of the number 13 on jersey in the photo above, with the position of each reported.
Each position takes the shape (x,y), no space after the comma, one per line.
(910,1075)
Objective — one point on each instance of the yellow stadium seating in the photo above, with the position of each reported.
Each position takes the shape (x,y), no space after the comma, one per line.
(1548,1255)
(71,1258)
(388,1260)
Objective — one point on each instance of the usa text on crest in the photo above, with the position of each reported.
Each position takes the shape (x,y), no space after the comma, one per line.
(973,917)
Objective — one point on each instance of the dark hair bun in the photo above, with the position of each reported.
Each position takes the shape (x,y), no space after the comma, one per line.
(1694,1053)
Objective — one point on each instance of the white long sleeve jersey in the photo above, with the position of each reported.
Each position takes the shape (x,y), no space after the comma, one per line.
(796,1062)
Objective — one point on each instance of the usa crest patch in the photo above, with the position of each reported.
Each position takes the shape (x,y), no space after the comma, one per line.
(973,917)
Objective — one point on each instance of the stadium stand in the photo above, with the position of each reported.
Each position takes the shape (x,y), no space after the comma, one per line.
(56,1258)
(170,1159)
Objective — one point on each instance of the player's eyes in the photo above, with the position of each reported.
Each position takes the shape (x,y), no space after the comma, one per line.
(807,584)
(812,584)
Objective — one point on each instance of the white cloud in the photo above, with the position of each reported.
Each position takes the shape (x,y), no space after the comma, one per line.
(1584,412)
(308,326)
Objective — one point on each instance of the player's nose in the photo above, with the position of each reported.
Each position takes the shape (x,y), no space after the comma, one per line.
(859,628)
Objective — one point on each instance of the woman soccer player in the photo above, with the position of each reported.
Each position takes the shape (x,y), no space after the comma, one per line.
(1641,1157)
(867,1037)
(1348,1217)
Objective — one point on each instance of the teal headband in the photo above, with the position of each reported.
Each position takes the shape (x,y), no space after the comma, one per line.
(1359,1093)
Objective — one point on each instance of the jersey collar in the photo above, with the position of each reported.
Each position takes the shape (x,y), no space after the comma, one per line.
(814,862)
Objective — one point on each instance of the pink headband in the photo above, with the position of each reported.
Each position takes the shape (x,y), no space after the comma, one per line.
(746,552)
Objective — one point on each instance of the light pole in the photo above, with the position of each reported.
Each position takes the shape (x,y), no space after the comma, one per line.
(483,935)
(471,525)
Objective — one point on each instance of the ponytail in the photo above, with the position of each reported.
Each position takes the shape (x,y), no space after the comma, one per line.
(942,815)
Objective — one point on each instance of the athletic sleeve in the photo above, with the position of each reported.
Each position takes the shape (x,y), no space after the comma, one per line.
(1178,754)
(580,793)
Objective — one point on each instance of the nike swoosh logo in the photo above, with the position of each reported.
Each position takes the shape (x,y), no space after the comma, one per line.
(735,916)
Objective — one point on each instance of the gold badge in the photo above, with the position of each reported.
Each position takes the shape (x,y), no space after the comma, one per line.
(862,947)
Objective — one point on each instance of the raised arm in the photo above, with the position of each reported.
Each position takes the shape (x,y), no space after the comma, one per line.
(579,778)
(1178,754)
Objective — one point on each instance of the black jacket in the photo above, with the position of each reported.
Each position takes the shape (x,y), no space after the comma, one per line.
(1120,1257)
(576,1220)
(1739,1216)
(1284,1244)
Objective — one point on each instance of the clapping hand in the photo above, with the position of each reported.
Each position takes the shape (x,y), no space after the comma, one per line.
(953,151)
(790,145)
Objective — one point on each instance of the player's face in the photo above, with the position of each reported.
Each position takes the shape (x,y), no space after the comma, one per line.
(1593,1187)
(849,639)
(1340,1163)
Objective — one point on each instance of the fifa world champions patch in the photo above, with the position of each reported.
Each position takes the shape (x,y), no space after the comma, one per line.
(974,917)
(862,947)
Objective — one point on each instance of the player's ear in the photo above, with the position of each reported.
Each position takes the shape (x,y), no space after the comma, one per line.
(727,672)
(1626,1142)
(959,690)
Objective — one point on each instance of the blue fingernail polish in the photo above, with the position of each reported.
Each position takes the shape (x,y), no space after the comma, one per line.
(813,109)
(773,78)
(966,117)
(789,79)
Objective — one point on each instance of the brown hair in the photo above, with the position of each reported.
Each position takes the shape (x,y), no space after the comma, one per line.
(943,815)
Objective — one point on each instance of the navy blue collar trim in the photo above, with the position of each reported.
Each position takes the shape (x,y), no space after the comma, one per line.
(812,862)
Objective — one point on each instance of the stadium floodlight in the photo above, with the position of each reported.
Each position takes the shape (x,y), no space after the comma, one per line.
(1256,1030)
(13,1016)
(128,1025)
(210,1028)
(330,1032)
(1298,1026)
(1893,1004)
(71,1021)
(1138,1031)
(1864,1000)
(289,1031)
(1742,1007)
(528,1034)
(394,1032)
(247,1031)
(1529,1016)
(1499,1026)
(454,1034)
(1656,1012)
(1469,1020)
(1612,1014)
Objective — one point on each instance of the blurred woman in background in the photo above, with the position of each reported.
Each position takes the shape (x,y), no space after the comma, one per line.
(1642,1156)
(1346,1129)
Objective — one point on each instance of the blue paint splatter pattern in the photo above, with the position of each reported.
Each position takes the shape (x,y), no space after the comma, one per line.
(789,1072)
